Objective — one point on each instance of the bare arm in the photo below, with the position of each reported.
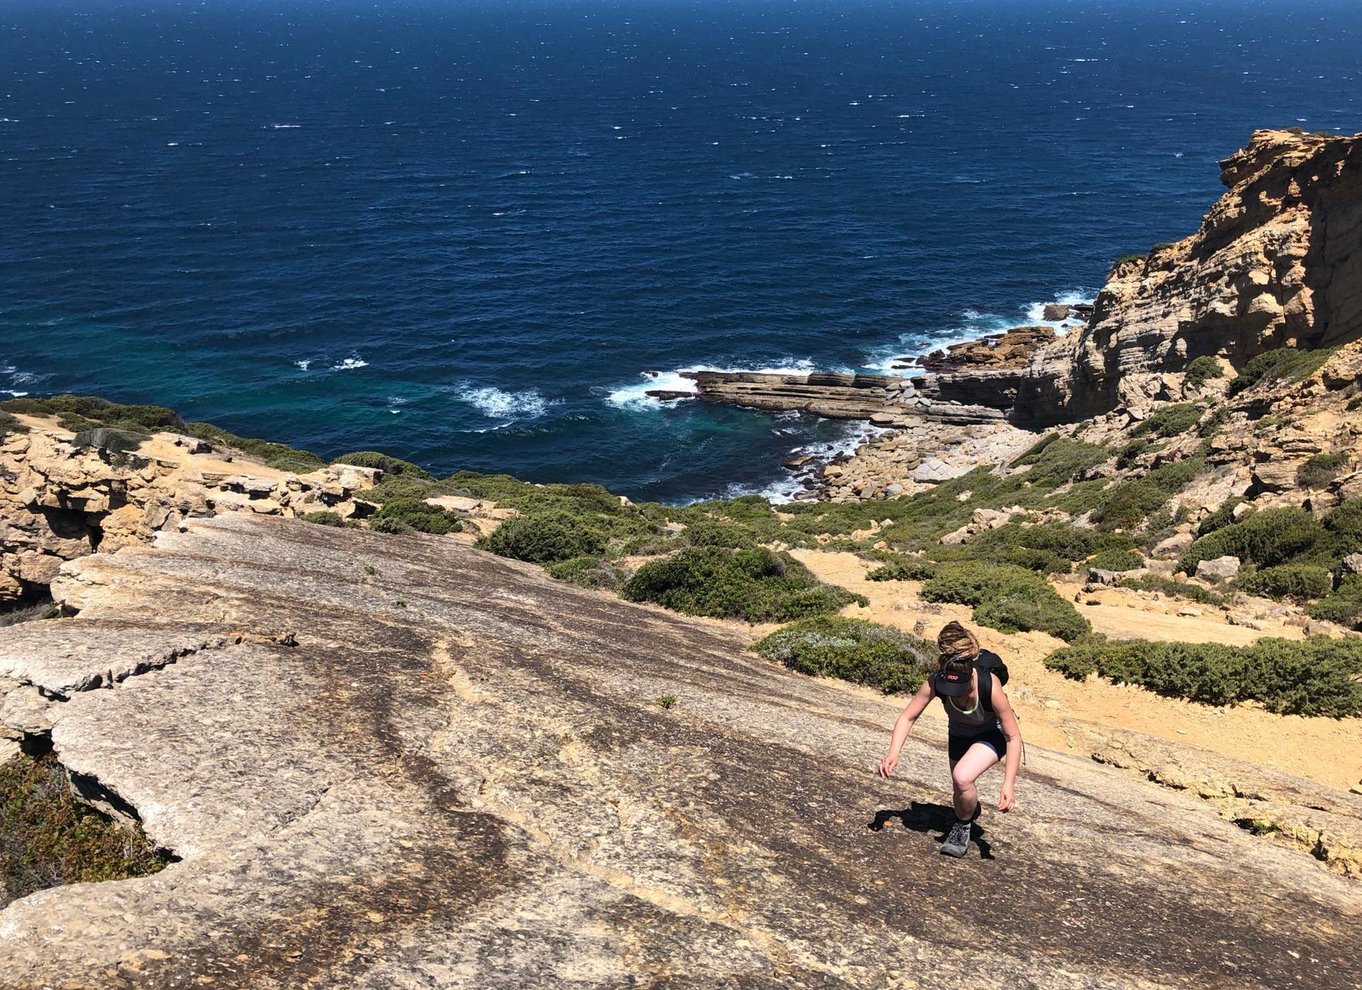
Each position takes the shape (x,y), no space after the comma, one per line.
(904,725)
(1007,718)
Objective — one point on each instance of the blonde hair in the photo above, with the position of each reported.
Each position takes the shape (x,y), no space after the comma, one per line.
(957,643)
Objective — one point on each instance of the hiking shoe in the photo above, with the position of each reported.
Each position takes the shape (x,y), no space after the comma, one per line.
(957,840)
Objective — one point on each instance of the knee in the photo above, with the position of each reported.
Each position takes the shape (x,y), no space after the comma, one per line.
(962,782)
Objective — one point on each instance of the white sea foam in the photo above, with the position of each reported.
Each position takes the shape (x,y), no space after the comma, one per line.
(285,127)
(635,395)
(973,324)
(783,490)
(349,364)
(304,364)
(509,407)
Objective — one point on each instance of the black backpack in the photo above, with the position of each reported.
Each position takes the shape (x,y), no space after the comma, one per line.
(989,664)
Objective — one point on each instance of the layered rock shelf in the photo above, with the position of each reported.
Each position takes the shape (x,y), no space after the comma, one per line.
(883,400)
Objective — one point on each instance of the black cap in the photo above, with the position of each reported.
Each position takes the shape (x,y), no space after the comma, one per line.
(953,683)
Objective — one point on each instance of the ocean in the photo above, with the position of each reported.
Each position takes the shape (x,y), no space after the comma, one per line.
(473,233)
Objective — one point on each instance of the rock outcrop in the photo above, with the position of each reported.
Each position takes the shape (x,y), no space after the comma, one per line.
(400,762)
(60,500)
(1277,262)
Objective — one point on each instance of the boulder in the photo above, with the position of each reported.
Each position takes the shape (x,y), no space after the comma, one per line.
(1218,569)
(1174,545)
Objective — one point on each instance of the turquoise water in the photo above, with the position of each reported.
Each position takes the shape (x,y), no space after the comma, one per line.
(463,233)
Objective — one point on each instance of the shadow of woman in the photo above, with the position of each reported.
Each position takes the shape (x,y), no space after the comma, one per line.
(922,817)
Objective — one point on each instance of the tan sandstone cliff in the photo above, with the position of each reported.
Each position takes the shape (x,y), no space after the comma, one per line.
(1277,262)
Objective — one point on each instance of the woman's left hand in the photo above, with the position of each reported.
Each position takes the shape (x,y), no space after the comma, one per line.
(1007,800)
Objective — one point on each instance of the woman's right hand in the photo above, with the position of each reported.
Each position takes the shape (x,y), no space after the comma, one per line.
(887,765)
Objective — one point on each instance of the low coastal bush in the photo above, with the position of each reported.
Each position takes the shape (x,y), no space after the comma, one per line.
(852,650)
(403,515)
(903,569)
(9,425)
(1171,421)
(47,838)
(387,464)
(1116,560)
(1342,605)
(29,612)
(1220,518)
(754,585)
(545,538)
(83,412)
(621,526)
(1298,582)
(279,456)
(1008,598)
(1264,539)
(1320,676)
(1321,469)
(1284,364)
(587,572)
(1202,370)
(325,517)
(1175,589)
(1127,505)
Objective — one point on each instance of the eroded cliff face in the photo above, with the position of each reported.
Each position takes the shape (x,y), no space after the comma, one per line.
(60,500)
(1277,262)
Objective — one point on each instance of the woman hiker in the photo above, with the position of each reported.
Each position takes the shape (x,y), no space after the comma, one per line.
(983,728)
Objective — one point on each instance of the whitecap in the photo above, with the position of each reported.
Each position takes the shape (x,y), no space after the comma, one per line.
(495,403)
(285,127)
(635,395)
(303,363)
(350,363)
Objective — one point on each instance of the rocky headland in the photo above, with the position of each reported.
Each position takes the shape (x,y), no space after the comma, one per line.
(375,755)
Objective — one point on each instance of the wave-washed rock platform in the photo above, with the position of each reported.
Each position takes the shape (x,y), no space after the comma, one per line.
(396,762)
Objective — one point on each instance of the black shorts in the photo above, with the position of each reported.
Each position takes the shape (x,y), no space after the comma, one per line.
(994,739)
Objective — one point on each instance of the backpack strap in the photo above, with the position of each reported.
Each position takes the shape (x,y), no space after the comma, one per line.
(985,688)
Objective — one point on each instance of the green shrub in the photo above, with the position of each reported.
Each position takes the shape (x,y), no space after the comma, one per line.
(1299,582)
(1284,364)
(325,517)
(1343,605)
(1264,539)
(587,572)
(1024,611)
(1127,456)
(1321,469)
(852,650)
(1126,506)
(387,464)
(279,456)
(1320,676)
(1201,370)
(9,425)
(398,515)
(1343,524)
(47,838)
(1006,597)
(1116,560)
(1175,589)
(13,615)
(903,569)
(545,538)
(1220,518)
(755,585)
(712,533)
(1171,421)
(89,411)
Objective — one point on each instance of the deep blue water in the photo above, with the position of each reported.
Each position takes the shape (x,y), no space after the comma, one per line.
(461,230)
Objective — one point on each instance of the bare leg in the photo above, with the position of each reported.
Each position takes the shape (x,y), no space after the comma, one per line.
(964,772)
